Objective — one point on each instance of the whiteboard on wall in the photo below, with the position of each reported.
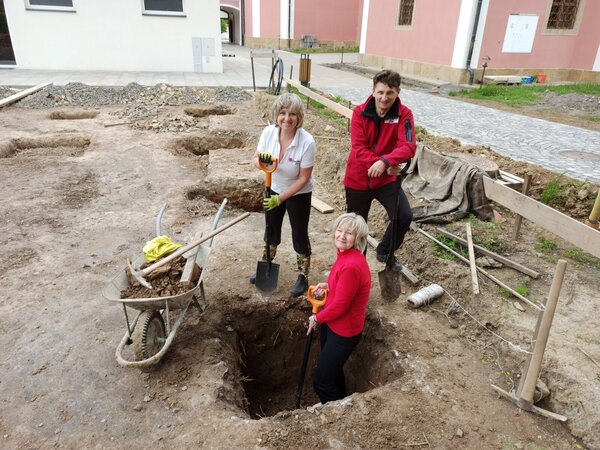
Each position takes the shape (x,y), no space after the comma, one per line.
(520,32)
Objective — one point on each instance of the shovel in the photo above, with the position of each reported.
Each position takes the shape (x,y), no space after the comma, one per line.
(267,273)
(389,279)
(316,304)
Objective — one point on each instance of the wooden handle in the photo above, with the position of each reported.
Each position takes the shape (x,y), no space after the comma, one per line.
(187,247)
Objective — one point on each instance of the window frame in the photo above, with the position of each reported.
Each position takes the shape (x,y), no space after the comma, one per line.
(156,12)
(30,7)
(397,18)
(563,31)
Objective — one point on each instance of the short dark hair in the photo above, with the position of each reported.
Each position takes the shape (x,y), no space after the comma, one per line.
(389,77)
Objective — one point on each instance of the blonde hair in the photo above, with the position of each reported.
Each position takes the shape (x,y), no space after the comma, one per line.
(357,225)
(291,101)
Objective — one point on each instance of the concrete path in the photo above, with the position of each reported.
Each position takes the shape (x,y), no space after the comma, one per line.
(561,148)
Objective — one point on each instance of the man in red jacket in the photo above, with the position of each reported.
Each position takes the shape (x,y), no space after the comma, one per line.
(383,137)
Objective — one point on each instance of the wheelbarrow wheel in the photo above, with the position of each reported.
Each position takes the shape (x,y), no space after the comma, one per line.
(149,335)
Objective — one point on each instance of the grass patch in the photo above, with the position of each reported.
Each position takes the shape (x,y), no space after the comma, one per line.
(554,193)
(521,289)
(588,339)
(521,95)
(487,234)
(545,245)
(445,254)
(578,255)
(322,50)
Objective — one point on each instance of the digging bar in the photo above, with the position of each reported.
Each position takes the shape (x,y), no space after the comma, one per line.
(140,274)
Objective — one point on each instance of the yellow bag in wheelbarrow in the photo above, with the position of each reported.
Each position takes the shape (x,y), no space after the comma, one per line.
(159,247)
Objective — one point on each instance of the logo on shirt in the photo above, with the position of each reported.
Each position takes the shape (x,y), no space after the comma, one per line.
(392,120)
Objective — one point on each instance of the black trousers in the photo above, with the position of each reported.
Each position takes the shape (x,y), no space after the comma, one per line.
(298,209)
(329,381)
(359,202)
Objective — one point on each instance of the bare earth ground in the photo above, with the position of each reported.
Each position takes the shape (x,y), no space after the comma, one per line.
(78,198)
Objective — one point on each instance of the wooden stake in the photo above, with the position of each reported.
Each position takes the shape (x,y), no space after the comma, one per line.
(472,260)
(526,390)
(519,218)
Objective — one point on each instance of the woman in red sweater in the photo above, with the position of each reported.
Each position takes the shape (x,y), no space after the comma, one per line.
(343,318)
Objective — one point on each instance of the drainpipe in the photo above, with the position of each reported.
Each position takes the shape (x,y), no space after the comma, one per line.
(242,20)
(289,23)
(471,71)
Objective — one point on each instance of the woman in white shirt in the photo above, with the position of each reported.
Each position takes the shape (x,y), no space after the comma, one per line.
(292,181)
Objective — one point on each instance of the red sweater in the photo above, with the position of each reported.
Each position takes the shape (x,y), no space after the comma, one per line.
(349,285)
(391,139)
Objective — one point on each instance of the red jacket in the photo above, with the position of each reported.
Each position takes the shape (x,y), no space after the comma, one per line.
(391,139)
(349,286)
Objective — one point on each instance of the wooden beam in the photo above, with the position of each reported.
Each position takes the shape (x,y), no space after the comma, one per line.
(320,205)
(24,93)
(340,109)
(485,251)
(472,260)
(548,218)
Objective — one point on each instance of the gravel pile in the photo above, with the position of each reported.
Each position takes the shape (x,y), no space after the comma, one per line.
(572,102)
(231,94)
(6,92)
(79,94)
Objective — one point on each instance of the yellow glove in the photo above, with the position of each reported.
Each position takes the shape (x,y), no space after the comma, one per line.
(265,157)
(159,247)
(271,202)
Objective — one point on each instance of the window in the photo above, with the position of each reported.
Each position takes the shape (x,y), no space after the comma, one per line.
(163,7)
(405,12)
(563,14)
(54,5)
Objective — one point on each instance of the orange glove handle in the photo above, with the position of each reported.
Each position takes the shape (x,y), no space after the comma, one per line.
(316,304)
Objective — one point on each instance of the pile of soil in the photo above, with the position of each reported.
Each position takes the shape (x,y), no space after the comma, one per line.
(165,281)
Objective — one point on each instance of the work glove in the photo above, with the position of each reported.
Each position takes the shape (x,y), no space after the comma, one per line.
(271,202)
(265,157)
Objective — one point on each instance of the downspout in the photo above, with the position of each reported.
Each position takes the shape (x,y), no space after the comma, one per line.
(471,71)
(242,21)
(289,23)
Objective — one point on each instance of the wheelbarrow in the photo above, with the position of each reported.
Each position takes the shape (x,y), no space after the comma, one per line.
(152,330)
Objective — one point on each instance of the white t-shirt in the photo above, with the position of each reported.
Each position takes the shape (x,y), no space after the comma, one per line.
(300,154)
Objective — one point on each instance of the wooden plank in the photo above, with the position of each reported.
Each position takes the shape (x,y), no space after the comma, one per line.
(320,205)
(548,218)
(472,260)
(507,262)
(405,271)
(24,93)
(510,177)
(519,218)
(340,109)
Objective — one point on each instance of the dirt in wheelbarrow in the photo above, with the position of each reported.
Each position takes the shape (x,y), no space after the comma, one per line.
(79,198)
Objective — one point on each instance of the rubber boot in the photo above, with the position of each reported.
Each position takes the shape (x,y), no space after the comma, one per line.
(301,285)
(264,258)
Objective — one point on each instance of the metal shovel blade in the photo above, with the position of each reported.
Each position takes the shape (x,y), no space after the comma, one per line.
(389,282)
(267,275)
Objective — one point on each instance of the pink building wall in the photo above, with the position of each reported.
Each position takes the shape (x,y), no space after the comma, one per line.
(430,39)
(576,51)
(270,13)
(328,20)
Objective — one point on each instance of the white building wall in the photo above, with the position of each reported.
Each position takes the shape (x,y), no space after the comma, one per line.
(115,35)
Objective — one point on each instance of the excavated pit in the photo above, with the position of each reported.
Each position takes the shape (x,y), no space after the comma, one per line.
(201,145)
(74,115)
(247,196)
(55,145)
(268,345)
(211,110)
